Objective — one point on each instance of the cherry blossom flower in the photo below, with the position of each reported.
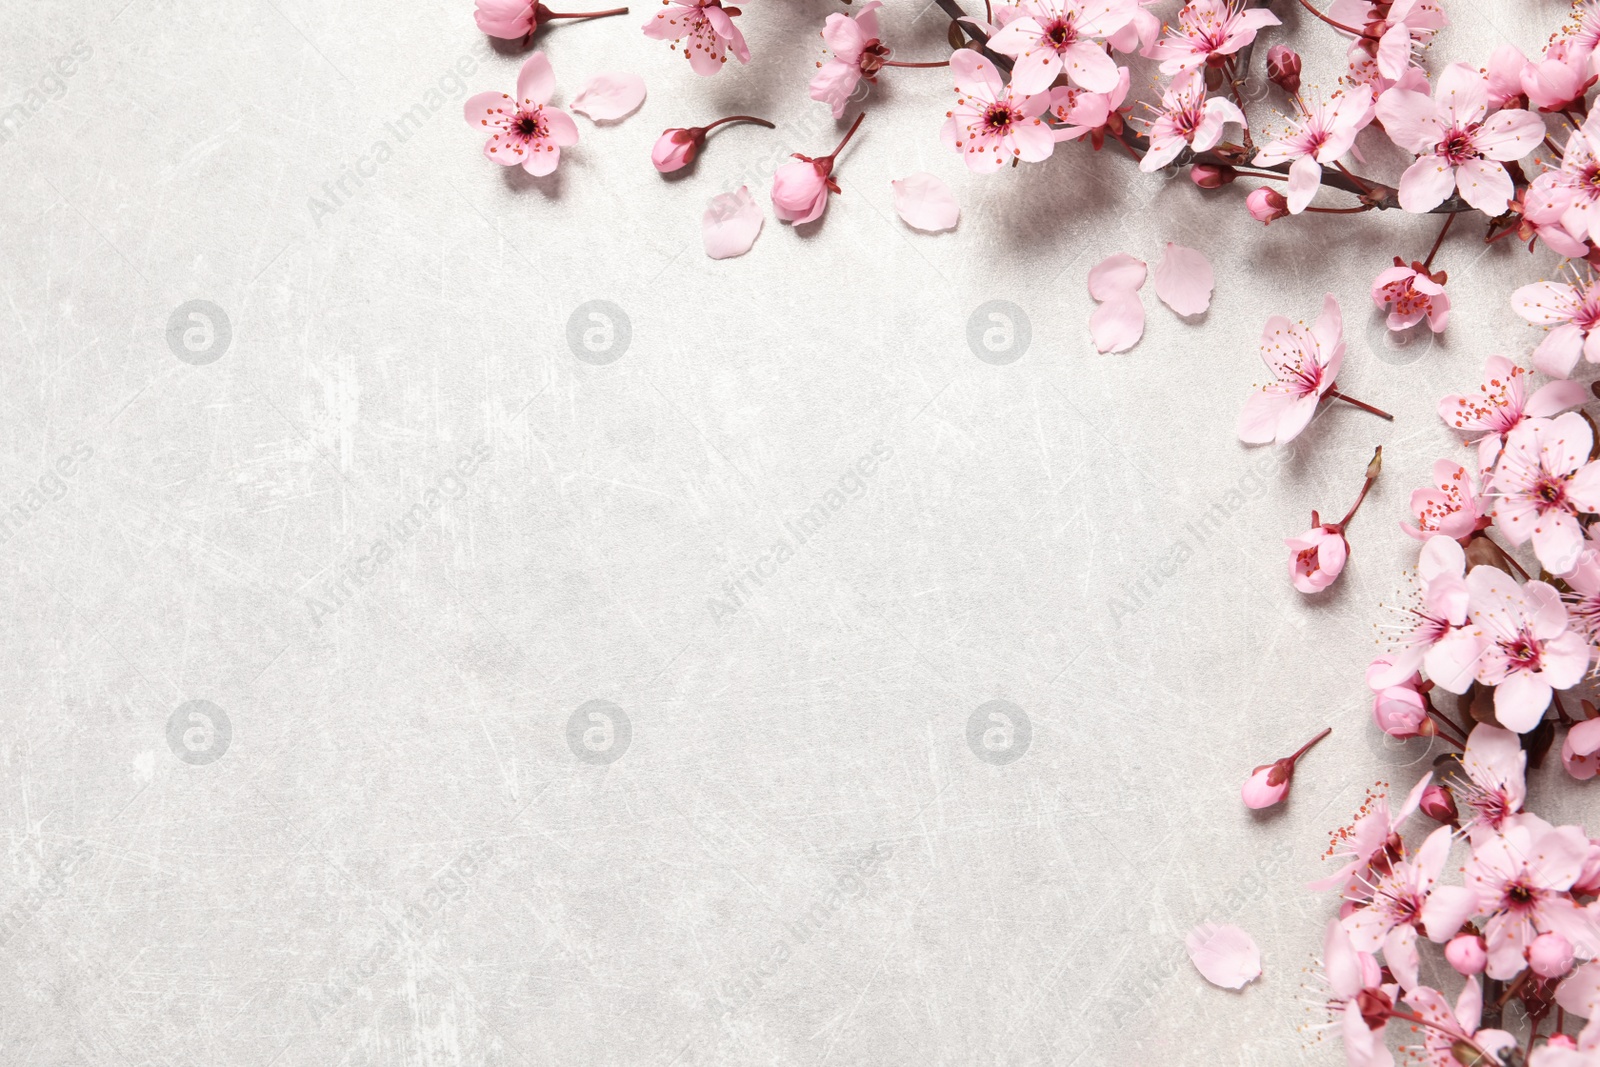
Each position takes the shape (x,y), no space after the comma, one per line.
(709,28)
(1399,901)
(1559,80)
(1367,842)
(1530,651)
(1187,120)
(1412,293)
(1574,311)
(1325,132)
(1543,481)
(1050,37)
(525,130)
(1304,363)
(1575,185)
(925,202)
(857,53)
(1081,112)
(1436,636)
(1501,404)
(1224,955)
(1444,1030)
(1494,790)
(1390,31)
(1358,1001)
(1316,557)
(800,189)
(1451,508)
(1269,783)
(1580,751)
(1458,144)
(1521,877)
(1399,710)
(1207,31)
(992,122)
(511,20)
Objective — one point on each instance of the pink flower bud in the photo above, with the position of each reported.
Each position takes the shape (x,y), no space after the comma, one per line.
(508,20)
(1561,1041)
(1399,710)
(676,149)
(1207,176)
(1438,804)
(1550,955)
(1316,558)
(1283,68)
(1266,205)
(800,189)
(1467,954)
(1267,784)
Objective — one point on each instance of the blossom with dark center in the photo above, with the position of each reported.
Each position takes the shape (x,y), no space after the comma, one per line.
(1530,651)
(1543,482)
(525,130)
(993,123)
(1051,37)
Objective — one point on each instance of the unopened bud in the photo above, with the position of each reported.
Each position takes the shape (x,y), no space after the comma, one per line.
(1550,955)
(1376,463)
(1283,68)
(1438,804)
(1467,953)
(1266,205)
(1208,176)
(1375,1007)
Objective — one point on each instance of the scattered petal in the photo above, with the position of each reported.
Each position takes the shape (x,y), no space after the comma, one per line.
(731,224)
(925,202)
(1224,955)
(1117,324)
(609,96)
(1184,280)
(1116,276)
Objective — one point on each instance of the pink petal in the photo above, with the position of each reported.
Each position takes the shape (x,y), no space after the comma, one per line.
(925,202)
(609,96)
(536,81)
(731,224)
(1184,280)
(1117,324)
(1116,276)
(1426,183)
(1224,955)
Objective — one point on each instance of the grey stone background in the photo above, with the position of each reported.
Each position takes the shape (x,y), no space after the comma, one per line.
(509,790)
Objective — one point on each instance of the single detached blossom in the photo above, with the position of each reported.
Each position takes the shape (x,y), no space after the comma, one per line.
(857,53)
(1304,363)
(1436,635)
(1574,311)
(1326,132)
(709,29)
(1051,37)
(1543,481)
(1522,877)
(1530,650)
(1186,120)
(1412,294)
(1316,558)
(992,123)
(512,20)
(676,148)
(524,130)
(1266,205)
(1268,784)
(1459,145)
(1501,404)
(1208,31)
(800,189)
(1451,508)
(1401,902)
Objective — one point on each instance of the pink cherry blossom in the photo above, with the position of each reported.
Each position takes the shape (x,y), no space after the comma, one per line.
(1580,751)
(1304,363)
(1358,1003)
(1187,120)
(800,189)
(1458,144)
(1550,955)
(1390,39)
(1544,479)
(1367,842)
(1506,64)
(1207,30)
(1399,710)
(1559,80)
(1574,311)
(1081,112)
(992,123)
(1521,877)
(709,29)
(676,149)
(1495,789)
(1467,953)
(1412,293)
(1325,133)
(1452,507)
(524,130)
(1269,783)
(1316,558)
(1530,651)
(1399,902)
(1435,634)
(1051,37)
(1501,404)
(1184,280)
(857,53)
(1224,955)
(1444,1029)
(1583,604)
(1573,187)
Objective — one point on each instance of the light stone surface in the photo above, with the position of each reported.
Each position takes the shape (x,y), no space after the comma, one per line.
(399,832)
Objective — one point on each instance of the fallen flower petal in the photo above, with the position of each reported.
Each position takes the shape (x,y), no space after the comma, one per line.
(731,224)
(1224,955)
(1116,276)
(925,202)
(1117,324)
(609,96)
(1184,280)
